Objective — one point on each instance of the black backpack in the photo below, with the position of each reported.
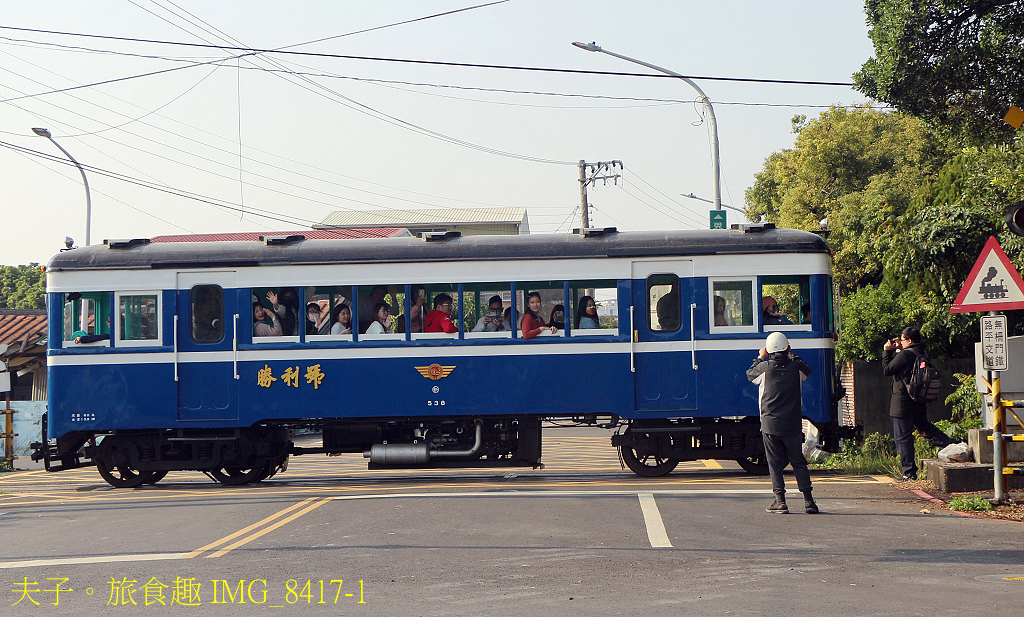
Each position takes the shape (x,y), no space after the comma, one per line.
(924,379)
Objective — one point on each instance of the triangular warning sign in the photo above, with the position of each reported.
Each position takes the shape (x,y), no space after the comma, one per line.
(993,284)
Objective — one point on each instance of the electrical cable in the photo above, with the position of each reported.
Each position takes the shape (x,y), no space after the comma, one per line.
(253,51)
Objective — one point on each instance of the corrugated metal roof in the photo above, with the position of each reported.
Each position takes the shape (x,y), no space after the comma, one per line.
(310,234)
(15,324)
(434,216)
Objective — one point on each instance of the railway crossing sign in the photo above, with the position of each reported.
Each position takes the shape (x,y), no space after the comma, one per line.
(993,284)
(993,343)
(718,219)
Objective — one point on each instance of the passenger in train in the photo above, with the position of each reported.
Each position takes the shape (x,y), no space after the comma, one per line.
(770,314)
(805,313)
(417,311)
(265,322)
(288,311)
(531,324)
(440,319)
(721,319)
(316,321)
(586,314)
(342,318)
(557,317)
(367,312)
(492,321)
(668,311)
(382,324)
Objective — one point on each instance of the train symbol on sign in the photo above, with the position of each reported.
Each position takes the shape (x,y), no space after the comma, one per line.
(989,291)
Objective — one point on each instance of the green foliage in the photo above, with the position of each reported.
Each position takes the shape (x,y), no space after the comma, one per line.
(22,287)
(860,168)
(957,431)
(970,503)
(877,455)
(965,402)
(958,64)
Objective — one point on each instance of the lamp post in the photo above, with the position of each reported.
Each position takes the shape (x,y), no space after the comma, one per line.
(88,197)
(703,99)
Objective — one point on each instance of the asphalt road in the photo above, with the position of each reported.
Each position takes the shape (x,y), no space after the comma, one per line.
(579,537)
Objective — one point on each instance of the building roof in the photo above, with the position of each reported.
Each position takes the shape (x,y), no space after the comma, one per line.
(310,234)
(427,216)
(19,326)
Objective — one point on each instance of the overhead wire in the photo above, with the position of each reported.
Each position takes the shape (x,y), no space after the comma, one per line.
(251,51)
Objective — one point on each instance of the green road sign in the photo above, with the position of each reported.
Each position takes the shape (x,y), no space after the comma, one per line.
(718,219)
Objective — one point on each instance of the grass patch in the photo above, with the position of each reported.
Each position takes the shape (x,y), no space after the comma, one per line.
(876,456)
(969,503)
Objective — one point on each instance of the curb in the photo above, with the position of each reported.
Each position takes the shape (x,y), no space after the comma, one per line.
(935,500)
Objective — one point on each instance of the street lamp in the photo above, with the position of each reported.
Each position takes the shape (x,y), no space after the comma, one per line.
(703,99)
(88,197)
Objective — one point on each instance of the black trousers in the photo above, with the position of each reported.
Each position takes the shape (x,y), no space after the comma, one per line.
(780,452)
(903,433)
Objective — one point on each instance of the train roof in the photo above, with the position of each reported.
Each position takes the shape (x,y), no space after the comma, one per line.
(294,250)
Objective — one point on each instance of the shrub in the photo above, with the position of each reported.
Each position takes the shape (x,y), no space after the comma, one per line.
(969,503)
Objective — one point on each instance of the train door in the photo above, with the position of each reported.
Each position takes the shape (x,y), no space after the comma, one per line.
(205,355)
(663,350)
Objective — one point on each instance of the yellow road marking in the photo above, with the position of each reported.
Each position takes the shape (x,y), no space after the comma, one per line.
(266,530)
(68,561)
(656,533)
(256,525)
(711,463)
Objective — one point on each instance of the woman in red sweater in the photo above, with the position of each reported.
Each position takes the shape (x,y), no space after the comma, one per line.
(531,324)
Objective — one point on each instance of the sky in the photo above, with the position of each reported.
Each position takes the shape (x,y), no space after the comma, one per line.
(235,140)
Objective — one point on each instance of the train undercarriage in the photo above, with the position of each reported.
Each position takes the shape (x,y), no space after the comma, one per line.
(235,456)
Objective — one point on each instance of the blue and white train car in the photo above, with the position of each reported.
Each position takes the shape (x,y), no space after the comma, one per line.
(204,356)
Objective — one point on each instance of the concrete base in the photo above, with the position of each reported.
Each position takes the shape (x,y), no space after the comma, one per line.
(981,446)
(966,477)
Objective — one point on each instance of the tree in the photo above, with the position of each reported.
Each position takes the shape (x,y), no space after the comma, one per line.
(957,64)
(859,168)
(22,287)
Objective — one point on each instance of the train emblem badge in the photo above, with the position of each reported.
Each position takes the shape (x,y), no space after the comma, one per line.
(434,371)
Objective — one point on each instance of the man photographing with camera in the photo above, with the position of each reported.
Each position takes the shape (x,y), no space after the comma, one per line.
(899,357)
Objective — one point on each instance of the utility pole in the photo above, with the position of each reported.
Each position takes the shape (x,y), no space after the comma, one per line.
(590,173)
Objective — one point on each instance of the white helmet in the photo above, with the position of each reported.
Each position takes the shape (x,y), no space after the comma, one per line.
(776,342)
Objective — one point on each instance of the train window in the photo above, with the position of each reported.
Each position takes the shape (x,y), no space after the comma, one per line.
(374,324)
(328,314)
(487,310)
(602,298)
(138,318)
(86,319)
(663,303)
(207,303)
(732,305)
(276,314)
(440,301)
(786,302)
(552,305)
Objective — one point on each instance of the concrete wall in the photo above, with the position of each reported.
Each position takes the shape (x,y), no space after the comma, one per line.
(872,392)
(28,423)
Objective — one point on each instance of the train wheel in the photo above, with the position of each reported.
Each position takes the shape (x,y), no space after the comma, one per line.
(122,476)
(757,464)
(233,476)
(155,476)
(647,465)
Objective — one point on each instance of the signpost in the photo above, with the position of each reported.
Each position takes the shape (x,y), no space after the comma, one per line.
(993,285)
(718,219)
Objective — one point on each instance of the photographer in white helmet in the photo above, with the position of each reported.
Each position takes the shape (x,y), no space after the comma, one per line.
(778,372)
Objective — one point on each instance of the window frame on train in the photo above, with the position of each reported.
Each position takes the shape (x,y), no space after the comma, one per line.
(100,320)
(727,287)
(803,283)
(122,324)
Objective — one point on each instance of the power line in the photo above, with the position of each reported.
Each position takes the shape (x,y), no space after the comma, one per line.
(254,51)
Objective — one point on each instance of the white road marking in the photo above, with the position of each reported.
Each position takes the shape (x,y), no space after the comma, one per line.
(652,518)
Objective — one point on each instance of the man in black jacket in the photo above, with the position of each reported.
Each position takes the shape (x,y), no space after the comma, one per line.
(778,372)
(898,360)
